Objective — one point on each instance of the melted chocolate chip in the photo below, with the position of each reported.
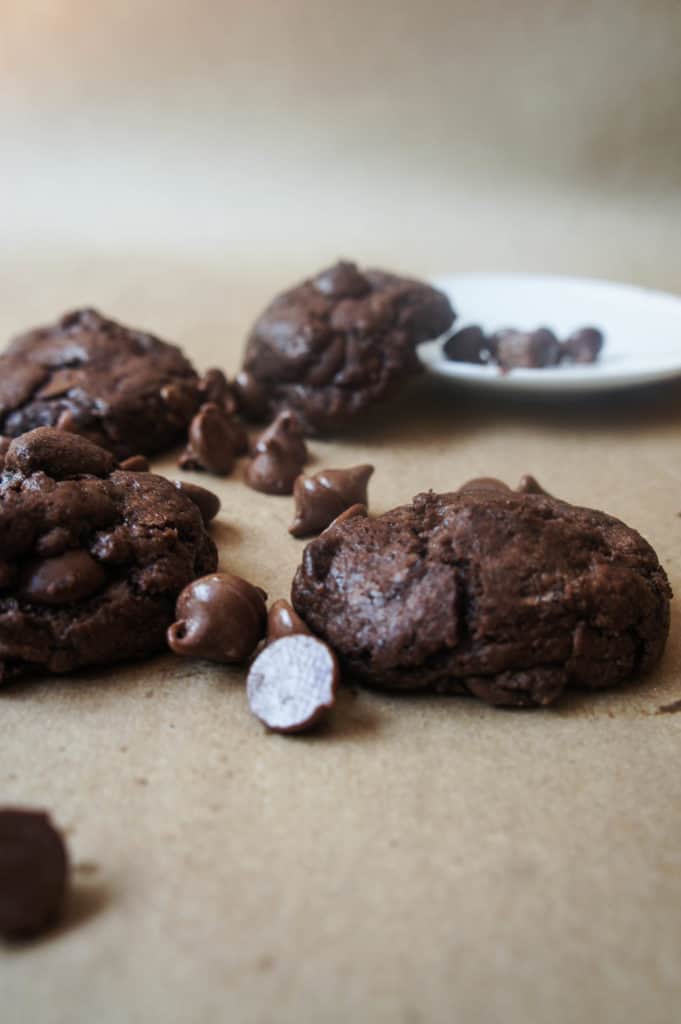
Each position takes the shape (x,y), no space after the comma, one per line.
(207,503)
(63,579)
(283,621)
(220,617)
(279,455)
(135,464)
(292,683)
(33,873)
(213,442)
(59,456)
(321,498)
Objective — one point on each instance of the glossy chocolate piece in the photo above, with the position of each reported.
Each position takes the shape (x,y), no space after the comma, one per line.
(282,620)
(220,617)
(584,345)
(136,464)
(526,349)
(207,503)
(213,442)
(278,457)
(321,498)
(63,579)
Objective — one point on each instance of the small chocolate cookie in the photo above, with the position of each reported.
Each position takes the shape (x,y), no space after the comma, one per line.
(123,389)
(507,595)
(339,342)
(92,558)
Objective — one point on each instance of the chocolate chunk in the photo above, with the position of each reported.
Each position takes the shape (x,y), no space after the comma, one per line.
(469,345)
(355,511)
(283,621)
(220,617)
(70,577)
(342,281)
(207,503)
(213,441)
(33,873)
(292,683)
(321,498)
(251,397)
(526,349)
(584,345)
(57,454)
(279,455)
(136,464)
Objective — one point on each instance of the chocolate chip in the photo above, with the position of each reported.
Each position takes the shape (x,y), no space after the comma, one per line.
(220,617)
(213,442)
(135,464)
(357,511)
(207,503)
(469,345)
(283,621)
(321,498)
(292,683)
(251,398)
(526,349)
(5,442)
(584,345)
(54,542)
(64,579)
(279,455)
(180,399)
(341,281)
(483,483)
(33,873)
(214,387)
(61,455)
(528,485)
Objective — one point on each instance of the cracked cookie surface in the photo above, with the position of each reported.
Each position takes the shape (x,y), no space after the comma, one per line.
(92,557)
(509,596)
(342,341)
(123,389)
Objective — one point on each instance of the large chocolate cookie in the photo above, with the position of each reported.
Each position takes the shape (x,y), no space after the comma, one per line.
(92,558)
(125,390)
(341,341)
(509,596)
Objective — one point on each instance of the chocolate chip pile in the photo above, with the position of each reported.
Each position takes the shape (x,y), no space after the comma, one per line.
(513,349)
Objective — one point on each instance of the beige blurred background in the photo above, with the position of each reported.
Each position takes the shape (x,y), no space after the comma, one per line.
(432,135)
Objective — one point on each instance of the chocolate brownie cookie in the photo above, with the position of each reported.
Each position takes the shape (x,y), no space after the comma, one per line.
(123,389)
(510,596)
(339,342)
(92,558)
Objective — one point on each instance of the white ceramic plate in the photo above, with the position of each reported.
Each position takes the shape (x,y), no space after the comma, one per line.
(642,329)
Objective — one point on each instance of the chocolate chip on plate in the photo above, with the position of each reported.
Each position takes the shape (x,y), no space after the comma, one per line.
(526,349)
(469,345)
(207,503)
(584,345)
(33,873)
(292,683)
(321,498)
(220,617)
(283,621)
(278,457)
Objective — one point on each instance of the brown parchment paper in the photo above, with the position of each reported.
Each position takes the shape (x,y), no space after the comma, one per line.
(420,859)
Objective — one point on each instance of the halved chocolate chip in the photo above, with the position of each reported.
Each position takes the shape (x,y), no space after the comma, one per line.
(64,579)
(292,683)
